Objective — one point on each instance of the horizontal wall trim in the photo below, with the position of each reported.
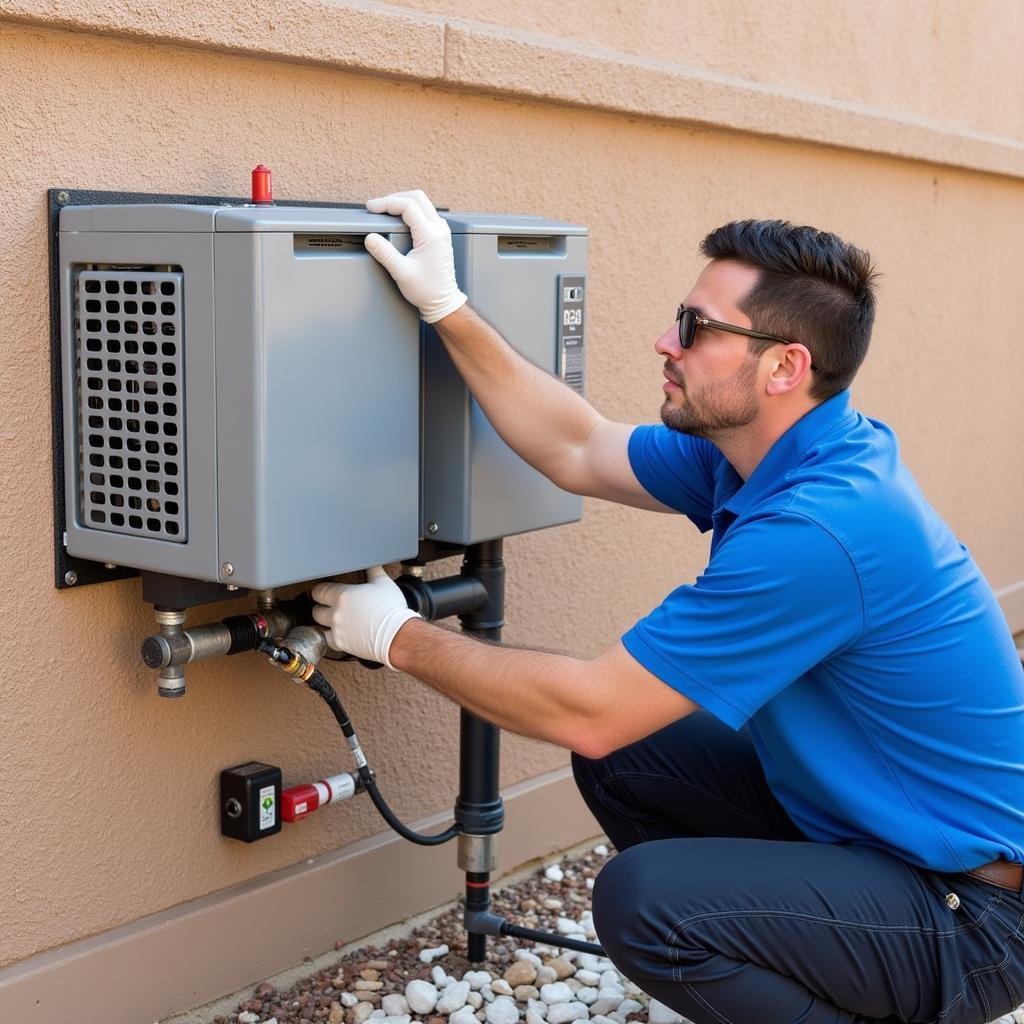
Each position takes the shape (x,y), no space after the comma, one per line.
(380,39)
(194,953)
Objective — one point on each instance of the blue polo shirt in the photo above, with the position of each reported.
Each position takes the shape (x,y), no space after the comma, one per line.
(841,621)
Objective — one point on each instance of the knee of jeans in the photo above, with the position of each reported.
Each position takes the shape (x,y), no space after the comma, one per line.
(584,771)
(619,891)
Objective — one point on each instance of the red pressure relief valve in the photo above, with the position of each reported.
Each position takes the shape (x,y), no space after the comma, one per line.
(298,801)
(262,190)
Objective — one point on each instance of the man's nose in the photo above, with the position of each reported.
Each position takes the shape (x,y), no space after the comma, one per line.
(668,344)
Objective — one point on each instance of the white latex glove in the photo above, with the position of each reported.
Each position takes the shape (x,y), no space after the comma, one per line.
(426,274)
(363,618)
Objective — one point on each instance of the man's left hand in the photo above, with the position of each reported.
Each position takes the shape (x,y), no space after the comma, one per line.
(362,618)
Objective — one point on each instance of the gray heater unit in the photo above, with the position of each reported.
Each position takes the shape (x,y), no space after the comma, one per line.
(241,392)
(526,276)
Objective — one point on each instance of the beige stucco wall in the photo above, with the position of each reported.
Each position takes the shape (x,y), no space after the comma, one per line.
(108,793)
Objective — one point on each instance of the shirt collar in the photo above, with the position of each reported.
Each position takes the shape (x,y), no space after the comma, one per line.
(787,451)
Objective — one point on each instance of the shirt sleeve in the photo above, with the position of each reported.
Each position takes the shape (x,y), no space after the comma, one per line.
(779,597)
(677,469)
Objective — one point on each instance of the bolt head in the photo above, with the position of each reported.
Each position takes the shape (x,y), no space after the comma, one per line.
(432,528)
(231,586)
(109,565)
(228,569)
(71,577)
(63,197)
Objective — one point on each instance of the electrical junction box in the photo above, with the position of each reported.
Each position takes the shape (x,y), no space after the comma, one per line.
(526,276)
(241,389)
(250,801)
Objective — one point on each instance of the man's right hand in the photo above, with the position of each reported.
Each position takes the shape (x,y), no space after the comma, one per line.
(426,275)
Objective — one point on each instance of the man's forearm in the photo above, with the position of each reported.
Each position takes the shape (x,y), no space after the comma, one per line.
(539,417)
(527,692)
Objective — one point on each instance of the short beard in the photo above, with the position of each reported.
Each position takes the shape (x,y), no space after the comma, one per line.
(715,408)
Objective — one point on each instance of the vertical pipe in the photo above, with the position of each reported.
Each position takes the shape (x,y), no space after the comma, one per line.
(479,807)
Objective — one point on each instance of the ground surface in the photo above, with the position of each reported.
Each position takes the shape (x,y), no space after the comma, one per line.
(519,980)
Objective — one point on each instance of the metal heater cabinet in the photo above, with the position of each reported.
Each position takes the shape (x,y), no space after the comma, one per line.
(526,276)
(241,392)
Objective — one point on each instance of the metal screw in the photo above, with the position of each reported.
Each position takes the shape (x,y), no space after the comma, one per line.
(432,528)
(109,565)
(952,900)
(228,569)
(71,577)
(231,586)
(63,197)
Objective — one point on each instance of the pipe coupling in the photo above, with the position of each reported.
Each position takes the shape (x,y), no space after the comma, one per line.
(477,853)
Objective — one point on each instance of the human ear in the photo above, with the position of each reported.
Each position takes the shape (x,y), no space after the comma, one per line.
(789,370)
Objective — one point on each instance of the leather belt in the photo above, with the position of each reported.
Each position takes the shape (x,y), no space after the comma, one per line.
(1000,872)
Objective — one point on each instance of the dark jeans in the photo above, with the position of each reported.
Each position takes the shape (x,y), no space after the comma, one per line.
(718,906)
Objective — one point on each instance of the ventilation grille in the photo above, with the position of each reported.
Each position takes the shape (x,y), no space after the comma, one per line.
(130,382)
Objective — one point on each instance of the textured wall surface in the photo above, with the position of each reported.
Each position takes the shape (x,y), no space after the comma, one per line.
(109,792)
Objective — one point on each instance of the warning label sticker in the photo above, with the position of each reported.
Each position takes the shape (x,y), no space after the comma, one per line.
(268,814)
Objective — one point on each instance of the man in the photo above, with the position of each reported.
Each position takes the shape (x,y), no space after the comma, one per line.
(812,759)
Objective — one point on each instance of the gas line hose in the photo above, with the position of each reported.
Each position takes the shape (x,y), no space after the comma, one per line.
(301,669)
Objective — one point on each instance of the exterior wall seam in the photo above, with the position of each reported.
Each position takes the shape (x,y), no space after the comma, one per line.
(383,40)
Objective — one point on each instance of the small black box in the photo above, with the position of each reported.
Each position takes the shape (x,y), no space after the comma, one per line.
(250,801)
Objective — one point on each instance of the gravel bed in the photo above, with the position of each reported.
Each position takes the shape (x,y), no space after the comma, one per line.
(424,976)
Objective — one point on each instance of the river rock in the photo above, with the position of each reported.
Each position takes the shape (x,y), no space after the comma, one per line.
(477,979)
(659,1013)
(453,997)
(421,996)
(395,1005)
(563,1013)
(522,972)
(502,1011)
(556,992)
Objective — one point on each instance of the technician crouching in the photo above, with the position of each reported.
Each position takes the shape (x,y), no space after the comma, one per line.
(812,759)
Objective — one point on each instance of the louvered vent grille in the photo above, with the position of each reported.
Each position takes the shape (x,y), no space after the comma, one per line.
(130,385)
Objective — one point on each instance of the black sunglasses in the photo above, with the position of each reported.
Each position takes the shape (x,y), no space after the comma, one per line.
(690,320)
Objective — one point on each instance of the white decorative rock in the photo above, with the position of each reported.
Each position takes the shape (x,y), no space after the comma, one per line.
(566,926)
(377,1015)
(453,997)
(628,1006)
(248,1017)
(537,1008)
(596,1018)
(348,999)
(421,996)
(608,999)
(475,1000)
(601,850)
(659,1013)
(501,987)
(530,958)
(611,979)
(588,882)
(428,956)
(395,1005)
(488,994)
(477,979)
(533,1018)
(439,978)
(554,873)
(556,992)
(585,977)
(463,1016)
(552,904)
(586,995)
(588,962)
(403,1018)
(502,1011)
(546,974)
(564,1013)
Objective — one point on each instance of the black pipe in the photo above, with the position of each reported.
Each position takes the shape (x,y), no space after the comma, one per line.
(438,599)
(518,932)
(478,808)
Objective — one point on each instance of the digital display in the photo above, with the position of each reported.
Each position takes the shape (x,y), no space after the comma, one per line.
(572,317)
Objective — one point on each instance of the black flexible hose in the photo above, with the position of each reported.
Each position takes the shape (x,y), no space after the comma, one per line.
(318,683)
